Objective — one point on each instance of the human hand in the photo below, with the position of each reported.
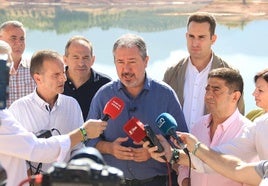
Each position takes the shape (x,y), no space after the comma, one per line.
(121,152)
(159,155)
(140,154)
(94,127)
(188,139)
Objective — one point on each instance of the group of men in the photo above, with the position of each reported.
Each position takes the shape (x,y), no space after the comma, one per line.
(61,98)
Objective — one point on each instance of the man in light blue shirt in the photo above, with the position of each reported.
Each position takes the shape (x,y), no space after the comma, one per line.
(144,99)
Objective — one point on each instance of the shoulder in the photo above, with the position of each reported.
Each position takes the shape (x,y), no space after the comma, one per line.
(177,65)
(101,76)
(219,62)
(23,100)
(67,99)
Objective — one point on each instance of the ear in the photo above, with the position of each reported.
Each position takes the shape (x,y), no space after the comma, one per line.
(37,78)
(146,61)
(92,60)
(237,95)
(213,38)
(65,60)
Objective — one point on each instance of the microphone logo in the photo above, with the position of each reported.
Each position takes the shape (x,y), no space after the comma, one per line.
(116,104)
(113,108)
(160,122)
(132,130)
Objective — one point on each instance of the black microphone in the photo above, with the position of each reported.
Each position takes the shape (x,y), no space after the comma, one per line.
(167,124)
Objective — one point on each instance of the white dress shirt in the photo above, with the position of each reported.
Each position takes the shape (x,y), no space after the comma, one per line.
(194,93)
(18,145)
(34,114)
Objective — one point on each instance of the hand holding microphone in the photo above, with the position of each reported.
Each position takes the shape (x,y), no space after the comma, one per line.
(167,124)
(95,128)
(138,132)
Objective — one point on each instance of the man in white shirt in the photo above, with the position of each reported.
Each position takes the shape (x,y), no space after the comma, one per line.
(188,77)
(46,108)
(18,145)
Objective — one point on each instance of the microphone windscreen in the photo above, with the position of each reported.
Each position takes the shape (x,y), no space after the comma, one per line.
(134,128)
(166,123)
(113,107)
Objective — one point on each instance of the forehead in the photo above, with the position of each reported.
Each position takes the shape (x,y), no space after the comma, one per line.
(79,45)
(13,30)
(53,65)
(200,28)
(214,81)
(127,52)
(261,82)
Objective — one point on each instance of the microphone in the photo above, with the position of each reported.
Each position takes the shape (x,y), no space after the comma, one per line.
(167,124)
(138,132)
(113,108)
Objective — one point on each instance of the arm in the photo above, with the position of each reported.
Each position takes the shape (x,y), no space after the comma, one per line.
(226,165)
(32,148)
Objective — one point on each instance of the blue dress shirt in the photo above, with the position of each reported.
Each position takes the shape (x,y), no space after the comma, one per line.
(155,98)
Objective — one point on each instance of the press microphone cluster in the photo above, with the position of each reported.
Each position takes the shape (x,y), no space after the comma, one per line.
(113,108)
(167,124)
(138,132)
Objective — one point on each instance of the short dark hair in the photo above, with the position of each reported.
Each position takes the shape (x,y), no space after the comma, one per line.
(202,17)
(262,74)
(38,59)
(232,78)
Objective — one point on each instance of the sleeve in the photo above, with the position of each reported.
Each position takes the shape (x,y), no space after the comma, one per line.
(262,168)
(95,113)
(183,173)
(17,142)
(242,146)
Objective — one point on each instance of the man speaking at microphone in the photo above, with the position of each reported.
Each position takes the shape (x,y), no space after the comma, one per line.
(144,99)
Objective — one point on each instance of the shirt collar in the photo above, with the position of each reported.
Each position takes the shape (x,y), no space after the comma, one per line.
(42,103)
(230,120)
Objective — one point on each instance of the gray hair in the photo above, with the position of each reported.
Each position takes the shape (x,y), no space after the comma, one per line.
(129,41)
(13,23)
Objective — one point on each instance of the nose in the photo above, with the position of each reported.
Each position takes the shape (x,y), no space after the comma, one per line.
(254,93)
(195,41)
(63,77)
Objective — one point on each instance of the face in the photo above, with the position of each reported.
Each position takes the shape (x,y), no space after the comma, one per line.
(50,82)
(130,67)
(261,93)
(15,37)
(199,41)
(218,97)
(79,59)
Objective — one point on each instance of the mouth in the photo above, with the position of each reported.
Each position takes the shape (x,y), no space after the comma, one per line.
(127,76)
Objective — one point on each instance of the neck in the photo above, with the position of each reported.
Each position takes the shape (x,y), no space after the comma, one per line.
(201,63)
(50,99)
